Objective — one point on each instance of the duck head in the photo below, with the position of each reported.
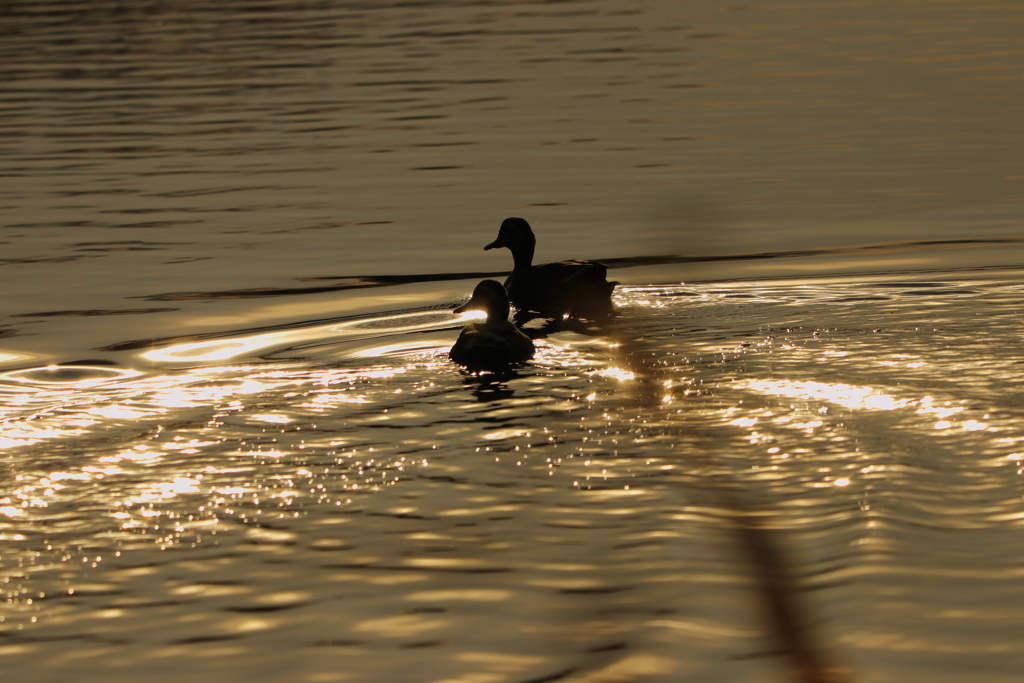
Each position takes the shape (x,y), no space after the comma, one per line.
(516,235)
(489,296)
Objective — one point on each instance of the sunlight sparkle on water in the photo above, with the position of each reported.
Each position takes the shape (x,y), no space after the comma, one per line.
(928,407)
(139,454)
(211,350)
(846,395)
(394,322)
(115,412)
(620,374)
(270,417)
(399,349)
(473,315)
(169,489)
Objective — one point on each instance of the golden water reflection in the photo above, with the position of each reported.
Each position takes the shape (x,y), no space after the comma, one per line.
(846,395)
(60,413)
(382,474)
(860,398)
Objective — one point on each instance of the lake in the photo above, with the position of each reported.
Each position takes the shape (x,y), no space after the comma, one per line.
(233,445)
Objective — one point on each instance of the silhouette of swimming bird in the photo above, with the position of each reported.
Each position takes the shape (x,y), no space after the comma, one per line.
(495,343)
(577,288)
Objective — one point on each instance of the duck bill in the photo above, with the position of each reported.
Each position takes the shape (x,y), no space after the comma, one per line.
(463,308)
(496,244)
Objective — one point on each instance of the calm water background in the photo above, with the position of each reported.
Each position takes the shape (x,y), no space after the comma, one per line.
(240,225)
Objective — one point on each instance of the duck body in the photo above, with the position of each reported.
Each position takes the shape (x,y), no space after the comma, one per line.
(495,343)
(576,288)
(579,289)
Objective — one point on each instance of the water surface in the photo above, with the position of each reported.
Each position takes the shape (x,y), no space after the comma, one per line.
(233,447)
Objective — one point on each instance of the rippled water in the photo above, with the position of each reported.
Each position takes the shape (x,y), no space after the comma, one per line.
(351,506)
(234,448)
(155,148)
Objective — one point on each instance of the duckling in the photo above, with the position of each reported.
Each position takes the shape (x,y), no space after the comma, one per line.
(495,343)
(577,288)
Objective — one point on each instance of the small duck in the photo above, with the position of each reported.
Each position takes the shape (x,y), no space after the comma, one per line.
(577,288)
(495,343)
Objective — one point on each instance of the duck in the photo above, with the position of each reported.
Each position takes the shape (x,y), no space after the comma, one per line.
(496,343)
(577,289)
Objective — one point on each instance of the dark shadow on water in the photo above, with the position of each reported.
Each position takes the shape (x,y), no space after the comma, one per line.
(349,282)
(488,387)
(346,283)
(549,326)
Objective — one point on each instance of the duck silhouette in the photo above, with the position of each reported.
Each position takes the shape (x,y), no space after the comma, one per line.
(495,343)
(579,289)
